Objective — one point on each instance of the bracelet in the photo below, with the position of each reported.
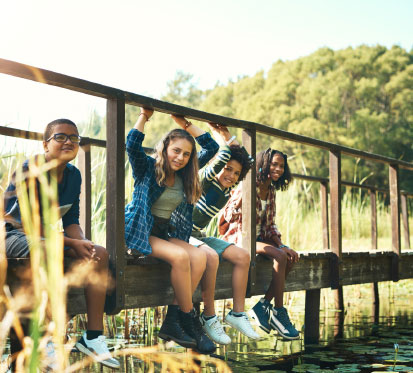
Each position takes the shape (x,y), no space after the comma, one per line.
(187,124)
(229,142)
(282,246)
(145,115)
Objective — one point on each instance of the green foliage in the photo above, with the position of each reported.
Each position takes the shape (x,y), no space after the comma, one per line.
(357,97)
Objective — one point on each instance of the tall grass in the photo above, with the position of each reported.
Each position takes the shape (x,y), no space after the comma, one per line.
(45,301)
(298,218)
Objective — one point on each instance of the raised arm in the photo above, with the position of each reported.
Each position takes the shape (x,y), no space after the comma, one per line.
(192,129)
(204,139)
(222,135)
(137,156)
(223,138)
(143,117)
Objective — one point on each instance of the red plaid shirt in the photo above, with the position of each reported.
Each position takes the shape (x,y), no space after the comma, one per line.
(230,222)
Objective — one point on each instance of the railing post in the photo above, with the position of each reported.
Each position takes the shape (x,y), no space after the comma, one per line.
(115,199)
(405,215)
(375,286)
(324,212)
(312,297)
(395,218)
(335,214)
(249,191)
(84,162)
(336,231)
(373,209)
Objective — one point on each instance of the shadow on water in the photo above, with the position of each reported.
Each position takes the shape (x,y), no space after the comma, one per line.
(357,341)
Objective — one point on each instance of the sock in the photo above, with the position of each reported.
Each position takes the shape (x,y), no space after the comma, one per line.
(236,314)
(206,318)
(92,334)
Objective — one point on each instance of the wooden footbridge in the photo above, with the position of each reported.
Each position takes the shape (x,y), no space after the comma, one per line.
(144,282)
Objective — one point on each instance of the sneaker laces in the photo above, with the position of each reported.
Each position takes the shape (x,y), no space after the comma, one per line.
(217,327)
(282,315)
(197,325)
(267,309)
(103,347)
(247,322)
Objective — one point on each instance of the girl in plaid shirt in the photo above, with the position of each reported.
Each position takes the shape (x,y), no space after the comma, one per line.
(158,220)
(273,174)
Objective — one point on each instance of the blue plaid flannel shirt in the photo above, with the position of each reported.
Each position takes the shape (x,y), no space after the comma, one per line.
(138,216)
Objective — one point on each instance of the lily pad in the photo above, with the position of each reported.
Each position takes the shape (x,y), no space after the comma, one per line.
(305,367)
(399,368)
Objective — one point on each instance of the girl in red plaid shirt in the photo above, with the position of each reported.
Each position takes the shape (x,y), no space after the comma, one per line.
(273,174)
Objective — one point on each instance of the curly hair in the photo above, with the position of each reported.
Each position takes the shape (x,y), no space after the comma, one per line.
(263,169)
(189,174)
(49,128)
(240,155)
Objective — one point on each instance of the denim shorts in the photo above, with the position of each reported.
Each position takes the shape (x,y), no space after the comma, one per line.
(214,243)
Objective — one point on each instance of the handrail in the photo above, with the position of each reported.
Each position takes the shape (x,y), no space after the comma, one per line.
(31,135)
(115,129)
(79,85)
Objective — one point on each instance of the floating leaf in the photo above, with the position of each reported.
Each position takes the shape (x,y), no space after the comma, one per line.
(305,367)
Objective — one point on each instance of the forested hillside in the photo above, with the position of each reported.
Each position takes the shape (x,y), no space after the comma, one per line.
(361,97)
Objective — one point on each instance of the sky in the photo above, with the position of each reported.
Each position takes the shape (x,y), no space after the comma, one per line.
(139,46)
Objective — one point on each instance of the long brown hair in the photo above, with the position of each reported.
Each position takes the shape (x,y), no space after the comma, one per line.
(189,174)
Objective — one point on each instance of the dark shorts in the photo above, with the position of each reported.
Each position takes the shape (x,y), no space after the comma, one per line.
(17,243)
(161,228)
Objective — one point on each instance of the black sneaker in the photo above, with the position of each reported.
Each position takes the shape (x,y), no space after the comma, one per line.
(171,329)
(281,322)
(192,326)
(261,315)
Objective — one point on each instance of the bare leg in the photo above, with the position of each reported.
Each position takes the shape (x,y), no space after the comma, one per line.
(240,258)
(179,260)
(209,279)
(197,260)
(96,293)
(276,288)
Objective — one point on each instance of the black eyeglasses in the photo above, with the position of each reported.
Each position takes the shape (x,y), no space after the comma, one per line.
(62,137)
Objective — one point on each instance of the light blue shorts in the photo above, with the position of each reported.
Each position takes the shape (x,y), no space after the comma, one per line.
(214,243)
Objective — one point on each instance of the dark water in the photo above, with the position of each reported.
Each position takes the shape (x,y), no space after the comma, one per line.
(357,345)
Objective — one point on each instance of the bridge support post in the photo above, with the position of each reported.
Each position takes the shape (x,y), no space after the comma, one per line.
(249,191)
(324,212)
(85,167)
(405,215)
(394,187)
(115,200)
(336,229)
(312,316)
(375,285)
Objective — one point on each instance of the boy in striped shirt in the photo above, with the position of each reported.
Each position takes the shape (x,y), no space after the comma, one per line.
(228,168)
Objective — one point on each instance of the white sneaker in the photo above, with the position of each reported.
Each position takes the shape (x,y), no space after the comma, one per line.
(98,349)
(214,330)
(242,324)
(50,359)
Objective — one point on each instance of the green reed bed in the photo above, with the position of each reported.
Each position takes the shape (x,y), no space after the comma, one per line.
(298,217)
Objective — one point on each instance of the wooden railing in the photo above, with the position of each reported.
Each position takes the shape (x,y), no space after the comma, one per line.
(318,270)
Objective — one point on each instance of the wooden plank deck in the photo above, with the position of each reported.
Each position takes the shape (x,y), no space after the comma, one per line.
(147,281)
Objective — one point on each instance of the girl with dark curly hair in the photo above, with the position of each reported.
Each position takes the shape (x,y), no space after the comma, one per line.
(273,173)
